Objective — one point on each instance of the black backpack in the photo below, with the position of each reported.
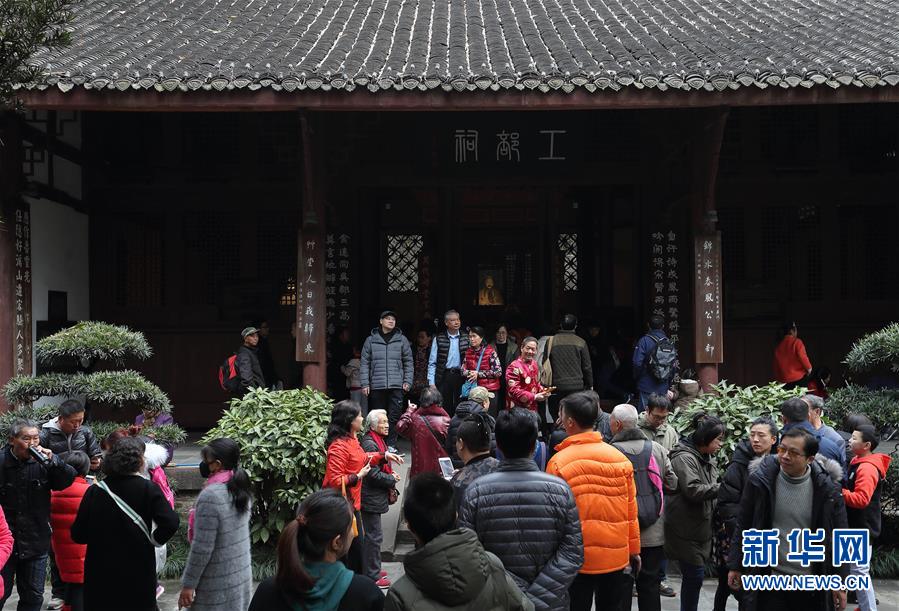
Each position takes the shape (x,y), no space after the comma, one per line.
(648,481)
(662,359)
(229,376)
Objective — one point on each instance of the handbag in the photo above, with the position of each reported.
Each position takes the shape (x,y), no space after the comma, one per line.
(469,384)
(159,549)
(343,490)
(546,368)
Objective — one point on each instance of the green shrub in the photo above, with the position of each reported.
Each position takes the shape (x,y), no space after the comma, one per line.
(116,388)
(875,349)
(881,406)
(39,415)
(737,407)
(282,444)
(91,342)
(885,563)
(168,433)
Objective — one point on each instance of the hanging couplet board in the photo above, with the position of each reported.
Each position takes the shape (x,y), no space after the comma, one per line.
(22,291)
(311,320)
(707,298)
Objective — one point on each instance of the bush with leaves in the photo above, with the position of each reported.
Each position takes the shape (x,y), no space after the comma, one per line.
(737,407)
(166,433)
(38,415)
(881,406)
(282,446)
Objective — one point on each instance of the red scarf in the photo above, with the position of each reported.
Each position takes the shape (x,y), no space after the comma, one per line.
(382,448)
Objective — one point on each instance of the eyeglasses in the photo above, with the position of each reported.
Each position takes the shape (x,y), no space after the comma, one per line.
(794,453)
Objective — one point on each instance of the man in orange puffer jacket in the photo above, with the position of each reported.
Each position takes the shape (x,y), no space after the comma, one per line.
(63,509)
(602,480)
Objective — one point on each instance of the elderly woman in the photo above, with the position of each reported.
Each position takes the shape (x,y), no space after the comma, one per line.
(378,487)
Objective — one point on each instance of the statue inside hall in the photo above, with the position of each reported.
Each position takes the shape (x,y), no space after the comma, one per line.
(489,294)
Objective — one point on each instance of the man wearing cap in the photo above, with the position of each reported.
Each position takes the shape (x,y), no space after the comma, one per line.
(478,401)
(248,362)
(386,370)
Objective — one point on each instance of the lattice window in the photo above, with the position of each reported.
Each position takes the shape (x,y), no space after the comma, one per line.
(733,242)
(212,240)
(276,254)
(866,242)
(790,138)
(289,294)
(812,259)
(778,225)
(402,262)
(139,266)
(567,245)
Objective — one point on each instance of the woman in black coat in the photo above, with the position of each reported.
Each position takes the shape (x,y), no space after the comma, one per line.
(120,565)
(762,441)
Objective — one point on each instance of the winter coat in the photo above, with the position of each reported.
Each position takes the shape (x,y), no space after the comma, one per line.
(120,564)
(465,409)
(646,382)
(688,511)
(345,458)
(734,481)
(666,436)
(361,595)
(386,363)
(790,360)
(439,355)
(472,470)
(757,512)
(522,382)
(249,369)
(218,565)
(6,541)
(427,447)
(864,486)
(529,519)
(511,352)
(826,446)
(609,520)
(63,509)
(377,483)
(570,360)
(61,444)
(25,499)
(454,572)
(630,443)
(490,372)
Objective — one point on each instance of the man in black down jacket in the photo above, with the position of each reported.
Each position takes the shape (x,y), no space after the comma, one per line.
(67,433)
(778,490)
(25,486)
(248,362)
(386,370)
(544,549)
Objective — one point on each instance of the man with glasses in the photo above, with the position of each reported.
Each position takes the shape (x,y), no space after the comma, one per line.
(794,490)
(25,485)
(815,412)
(795,414)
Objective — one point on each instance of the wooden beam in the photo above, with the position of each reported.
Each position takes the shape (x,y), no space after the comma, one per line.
(39,189)
(50,144)
(438,100)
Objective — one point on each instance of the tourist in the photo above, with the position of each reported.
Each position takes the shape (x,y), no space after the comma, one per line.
(688,510)
(420,353)
(385,371)
(687,392)
(653,477)
(609,520)
(478,402)
(310,574)
(815,418)
(507,351)
(654,422)
(378,493)
(247,362)
(569,358)
(27,482)
(481,366)
(523,387)
(791,364)
(266,361)
(862,495)
(445,360)
(69,556)
(850,424)
(6,547)
(797,489)
(347,464)
(529,519)
(762,442)
(115,518)
(353,383)
(449,568)
(150,418)
(818,381)
(794,413)
(655,362)
(340,352)
(472,445)
(218,573)
(427,427)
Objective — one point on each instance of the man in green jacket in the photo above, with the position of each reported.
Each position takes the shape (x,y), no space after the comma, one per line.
(449,569)
(654,422)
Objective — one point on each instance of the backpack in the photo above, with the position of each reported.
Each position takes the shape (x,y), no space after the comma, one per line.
(229,376)
(662,359)
(648,480)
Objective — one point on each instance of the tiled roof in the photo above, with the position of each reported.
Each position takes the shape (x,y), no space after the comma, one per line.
(290,45)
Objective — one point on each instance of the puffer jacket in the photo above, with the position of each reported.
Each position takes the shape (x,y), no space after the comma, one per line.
(570,360)
(250,370)
(465,409)
(61,444)
(454,572)
(687,392)
(63,509)
(386,363)
(427,447)
(377,483)
(6,541)
(734,481)
(529,519)
(665,435)
(609,523)
(688,511)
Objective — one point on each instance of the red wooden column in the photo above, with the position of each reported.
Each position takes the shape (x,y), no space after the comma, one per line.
(708,315)
(10,183)
(311,316)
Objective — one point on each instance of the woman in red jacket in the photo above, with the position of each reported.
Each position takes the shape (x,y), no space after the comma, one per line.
(70,555)
(481,365)
(6,543)
(427,427)
(791,364)
(347,464)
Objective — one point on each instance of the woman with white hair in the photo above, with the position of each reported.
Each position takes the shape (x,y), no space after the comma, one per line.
(378,493)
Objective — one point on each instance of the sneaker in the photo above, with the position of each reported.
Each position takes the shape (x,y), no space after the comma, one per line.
(159,591)
(55,603)
(383,574)
(666,590)
(383,582)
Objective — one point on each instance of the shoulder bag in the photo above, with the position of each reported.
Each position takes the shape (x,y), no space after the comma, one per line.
(470,384)
(161,551)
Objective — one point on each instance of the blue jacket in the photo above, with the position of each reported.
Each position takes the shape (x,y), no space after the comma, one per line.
(646,382)
(826,446)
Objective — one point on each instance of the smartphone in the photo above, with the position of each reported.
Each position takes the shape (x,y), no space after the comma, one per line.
(446,467)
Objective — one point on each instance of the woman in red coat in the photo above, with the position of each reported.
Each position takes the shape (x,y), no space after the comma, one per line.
(523,379)
(426,427)
(6,543)
(481,364)
(70,555)
(347,464)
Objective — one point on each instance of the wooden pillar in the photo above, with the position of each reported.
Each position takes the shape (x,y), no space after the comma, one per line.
(10,185)
(311,346)
(706,156)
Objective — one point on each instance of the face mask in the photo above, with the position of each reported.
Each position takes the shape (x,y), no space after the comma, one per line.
(204,469)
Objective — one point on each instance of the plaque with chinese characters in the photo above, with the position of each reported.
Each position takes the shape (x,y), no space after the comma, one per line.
(707,292)
(664,269)
(22,289)
(311,320)
(338,286)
